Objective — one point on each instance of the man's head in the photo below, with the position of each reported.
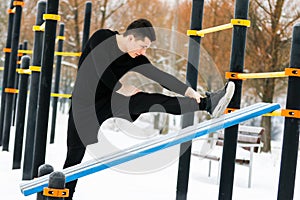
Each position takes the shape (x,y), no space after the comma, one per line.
(139,34)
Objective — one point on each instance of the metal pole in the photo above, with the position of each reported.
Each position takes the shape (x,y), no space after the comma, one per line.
(12,73)
(21,47)
(41,127)
(21,110)
(87,23)
(231,133)
(191,79)
(43,170)
(57,180)
(291,127)
(16,84)
(33,95)
(6,66)
(56,83)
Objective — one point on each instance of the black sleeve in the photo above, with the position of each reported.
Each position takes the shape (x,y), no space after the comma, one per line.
(164,79)
(110,80)
(93,41)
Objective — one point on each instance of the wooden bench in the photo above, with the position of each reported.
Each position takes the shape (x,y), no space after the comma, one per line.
(249,138)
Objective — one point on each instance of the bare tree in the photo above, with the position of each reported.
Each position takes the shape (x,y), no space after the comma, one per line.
(105,9)
(268,48)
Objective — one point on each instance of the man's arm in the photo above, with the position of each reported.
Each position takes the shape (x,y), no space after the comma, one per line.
(128,90)
(167,81)
(164,79)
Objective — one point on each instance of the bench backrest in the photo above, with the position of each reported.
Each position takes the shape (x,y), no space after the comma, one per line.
(247,135)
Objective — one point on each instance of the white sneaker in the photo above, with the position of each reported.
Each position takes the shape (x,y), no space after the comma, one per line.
(220,99)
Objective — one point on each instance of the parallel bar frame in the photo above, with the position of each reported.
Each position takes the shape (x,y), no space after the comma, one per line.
(151,146)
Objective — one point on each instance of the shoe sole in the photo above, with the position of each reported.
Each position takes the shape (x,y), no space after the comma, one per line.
(225,100)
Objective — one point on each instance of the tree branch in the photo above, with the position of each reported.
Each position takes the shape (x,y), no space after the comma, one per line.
(264,8)
(290,22)
(114,10)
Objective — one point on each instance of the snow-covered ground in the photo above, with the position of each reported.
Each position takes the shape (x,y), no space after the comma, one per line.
(158,185)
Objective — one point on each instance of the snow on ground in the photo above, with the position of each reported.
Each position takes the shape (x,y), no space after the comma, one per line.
(159,185)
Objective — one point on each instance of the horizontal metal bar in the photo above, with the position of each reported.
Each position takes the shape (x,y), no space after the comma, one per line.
(153,145)
(262,75)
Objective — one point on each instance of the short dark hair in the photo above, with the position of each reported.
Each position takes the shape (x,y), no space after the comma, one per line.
(140,29)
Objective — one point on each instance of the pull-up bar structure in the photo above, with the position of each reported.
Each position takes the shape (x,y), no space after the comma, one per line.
(243,76)
(201,33)
(154,145)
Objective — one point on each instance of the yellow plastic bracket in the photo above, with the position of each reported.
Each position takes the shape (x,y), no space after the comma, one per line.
(39,28)
(233,75)
(51,192)
(194,33)
(290,113)
(11,90)
(7,50)
(61,95)
(35,68)
(11,11)
(18,3)
(240,22)
(25,51)
(292,72)
(51,17)
(60,37)
(19,62)
(24,71)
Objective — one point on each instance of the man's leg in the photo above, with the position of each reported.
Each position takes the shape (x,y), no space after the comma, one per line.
(145,102)
(215,103)
(75,152)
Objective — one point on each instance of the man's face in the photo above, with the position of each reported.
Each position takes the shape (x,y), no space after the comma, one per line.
(137,47)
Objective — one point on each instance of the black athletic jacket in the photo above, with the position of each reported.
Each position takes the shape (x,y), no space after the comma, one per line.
(101,66)
(109,81)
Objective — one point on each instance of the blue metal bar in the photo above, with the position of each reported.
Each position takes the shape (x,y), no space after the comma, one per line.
(151,146)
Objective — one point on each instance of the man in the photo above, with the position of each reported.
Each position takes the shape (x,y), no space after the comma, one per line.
(109,55)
